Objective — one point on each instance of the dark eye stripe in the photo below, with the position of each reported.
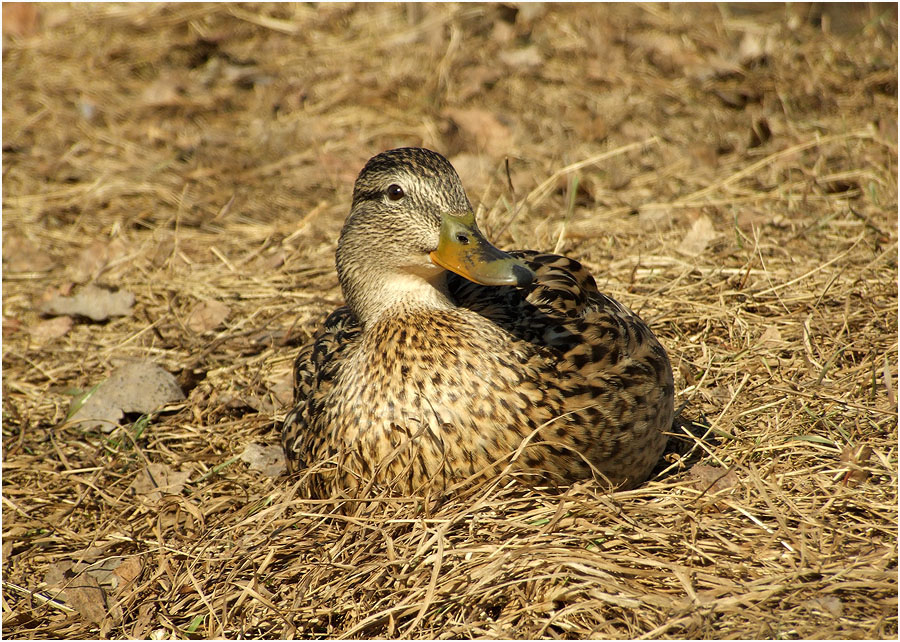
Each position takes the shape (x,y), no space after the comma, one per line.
(367,195)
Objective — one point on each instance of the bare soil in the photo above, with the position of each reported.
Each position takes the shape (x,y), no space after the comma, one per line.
(728,171)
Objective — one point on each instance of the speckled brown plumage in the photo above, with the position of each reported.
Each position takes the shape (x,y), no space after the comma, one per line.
(420,389)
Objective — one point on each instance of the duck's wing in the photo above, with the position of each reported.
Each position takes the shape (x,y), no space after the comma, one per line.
(609,367)
(563,290)
(314,371)
(606,330)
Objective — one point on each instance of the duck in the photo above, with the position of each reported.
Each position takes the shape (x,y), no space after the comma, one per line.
(453,361)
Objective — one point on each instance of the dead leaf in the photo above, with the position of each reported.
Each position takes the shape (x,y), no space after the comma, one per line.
(21,255)
(714,66)
(594,129)
(141,387)
(165,249)
(90,554)
(704,154)
(82,592)
(57,573)
(482,131)
(269,460)
(273,261)
(7,549)
(855,457)
(129,569)
(92,260)
(474,170)
(711,479)
(503,32)
(770,338)
(146,612)
(698,237)
(671,54)
(283,390)
(50,329)
(888,381)
(85,595)
(156,480)
(103,570)
(92,302)
(207,316)
(748,218)
(826,604)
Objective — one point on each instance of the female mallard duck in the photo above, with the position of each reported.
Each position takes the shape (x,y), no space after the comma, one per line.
(453,360)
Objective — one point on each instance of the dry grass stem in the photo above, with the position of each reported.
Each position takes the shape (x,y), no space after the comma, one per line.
(728,171)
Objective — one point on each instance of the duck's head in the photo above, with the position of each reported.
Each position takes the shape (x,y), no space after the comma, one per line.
(410,221)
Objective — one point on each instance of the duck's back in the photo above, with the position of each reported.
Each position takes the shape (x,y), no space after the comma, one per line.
(590,390)
(621,395)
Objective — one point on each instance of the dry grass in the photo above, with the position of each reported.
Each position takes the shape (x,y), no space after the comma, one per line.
(198,153)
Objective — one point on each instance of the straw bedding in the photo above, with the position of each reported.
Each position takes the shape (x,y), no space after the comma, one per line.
(728,172)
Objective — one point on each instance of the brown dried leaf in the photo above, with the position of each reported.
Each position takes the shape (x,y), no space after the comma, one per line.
(92,260)
(21,255)
(770,338)
(129,569)
(82,593)
(671,54)
(90,554)
(51,329)
(826,604)
(529,12)
(476,80)
(732,98)
(92,302)
(474,170)
(156,480)
(482,130)
(269,460)
(102,570)
(55,576)
(142,625)
(141,387)
(698,237)
(704,154)
(207,316)
(711,479)
(283,390)
(855,458)
(85,595)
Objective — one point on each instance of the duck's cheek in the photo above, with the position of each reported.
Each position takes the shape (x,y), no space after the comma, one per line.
(425,267)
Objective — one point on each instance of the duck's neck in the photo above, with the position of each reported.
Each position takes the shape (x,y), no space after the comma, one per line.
(381,296)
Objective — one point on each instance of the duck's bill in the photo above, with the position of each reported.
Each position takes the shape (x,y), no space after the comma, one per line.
(464,250)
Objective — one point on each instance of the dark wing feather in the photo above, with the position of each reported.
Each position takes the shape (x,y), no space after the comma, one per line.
(313,371)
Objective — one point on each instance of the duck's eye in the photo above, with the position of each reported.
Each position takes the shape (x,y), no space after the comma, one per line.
(395,192)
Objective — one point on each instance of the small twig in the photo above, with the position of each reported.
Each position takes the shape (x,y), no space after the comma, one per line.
(40,597)
(515,200)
